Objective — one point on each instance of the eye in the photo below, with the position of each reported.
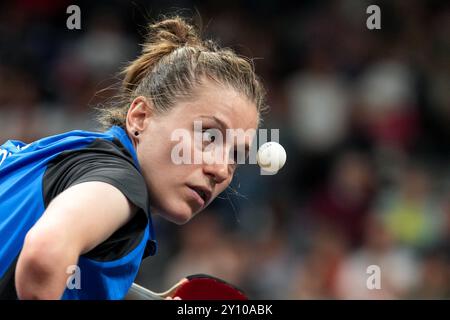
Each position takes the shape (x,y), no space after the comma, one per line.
(208,136)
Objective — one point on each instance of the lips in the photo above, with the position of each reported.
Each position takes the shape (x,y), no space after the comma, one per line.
(203,192)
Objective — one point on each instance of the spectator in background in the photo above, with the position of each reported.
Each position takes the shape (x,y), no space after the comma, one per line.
(316,271)
(271,265)
(411,211)
(318,105)
(387,109)
(105,45)
(444,244)
(434,277)
(398,266)
(345,199)
(20,97)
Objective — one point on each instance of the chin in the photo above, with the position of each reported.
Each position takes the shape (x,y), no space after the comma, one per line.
(178,216)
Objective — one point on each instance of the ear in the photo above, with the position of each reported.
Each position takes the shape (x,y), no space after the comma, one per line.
(139,114)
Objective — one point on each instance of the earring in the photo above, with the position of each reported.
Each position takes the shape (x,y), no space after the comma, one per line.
(136,133)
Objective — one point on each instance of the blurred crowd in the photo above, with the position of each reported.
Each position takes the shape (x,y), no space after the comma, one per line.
(364,116)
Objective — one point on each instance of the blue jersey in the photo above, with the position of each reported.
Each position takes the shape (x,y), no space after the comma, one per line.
(31,175)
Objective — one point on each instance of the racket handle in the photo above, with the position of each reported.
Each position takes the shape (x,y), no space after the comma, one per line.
(138,292)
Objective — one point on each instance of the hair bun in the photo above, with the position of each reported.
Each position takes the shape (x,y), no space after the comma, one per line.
(175,31)
(163,37)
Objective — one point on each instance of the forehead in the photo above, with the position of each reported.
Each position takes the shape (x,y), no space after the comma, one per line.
(227,104)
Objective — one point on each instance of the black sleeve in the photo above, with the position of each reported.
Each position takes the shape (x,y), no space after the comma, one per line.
(107,162)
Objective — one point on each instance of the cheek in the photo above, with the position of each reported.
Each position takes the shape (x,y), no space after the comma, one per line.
(156,166)
(157,153)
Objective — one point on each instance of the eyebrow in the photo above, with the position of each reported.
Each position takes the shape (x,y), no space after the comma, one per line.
(224,126)
(222,123)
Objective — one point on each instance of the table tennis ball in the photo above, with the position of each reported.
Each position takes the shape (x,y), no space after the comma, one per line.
(271,156)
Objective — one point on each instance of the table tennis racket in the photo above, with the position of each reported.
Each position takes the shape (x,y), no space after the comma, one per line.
(194,287)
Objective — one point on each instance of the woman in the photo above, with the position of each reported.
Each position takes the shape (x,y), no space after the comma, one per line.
(83,201)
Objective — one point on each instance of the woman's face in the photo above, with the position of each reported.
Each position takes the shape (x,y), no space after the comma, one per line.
(180,191)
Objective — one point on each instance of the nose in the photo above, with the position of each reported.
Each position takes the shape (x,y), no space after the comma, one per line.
(218,171)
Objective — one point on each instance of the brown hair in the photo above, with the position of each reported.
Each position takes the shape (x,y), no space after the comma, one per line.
(173,60)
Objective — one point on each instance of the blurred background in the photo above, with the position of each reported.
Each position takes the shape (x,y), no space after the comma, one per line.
(364,116)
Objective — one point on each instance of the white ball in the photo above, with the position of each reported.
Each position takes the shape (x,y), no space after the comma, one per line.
(271,156)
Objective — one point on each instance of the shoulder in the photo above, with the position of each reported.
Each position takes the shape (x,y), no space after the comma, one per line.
(101,160)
